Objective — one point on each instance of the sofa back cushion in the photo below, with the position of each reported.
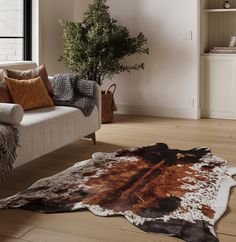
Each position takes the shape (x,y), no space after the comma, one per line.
(30,94)
(18,65)
(31,74)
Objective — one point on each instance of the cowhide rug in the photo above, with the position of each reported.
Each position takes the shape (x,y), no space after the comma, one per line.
(168,191)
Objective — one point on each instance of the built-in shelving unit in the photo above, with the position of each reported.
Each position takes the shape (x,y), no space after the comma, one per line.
(217,24)
(218,71)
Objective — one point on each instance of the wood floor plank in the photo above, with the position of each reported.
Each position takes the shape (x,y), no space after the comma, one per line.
(7,239)
(226,228)
(39,235)
(126,131)
(82,223)
(14,230)
(226,238)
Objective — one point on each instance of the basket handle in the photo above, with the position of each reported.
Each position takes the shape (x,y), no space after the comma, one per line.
(109,89)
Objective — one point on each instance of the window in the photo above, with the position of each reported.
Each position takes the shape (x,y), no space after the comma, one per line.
(15,30)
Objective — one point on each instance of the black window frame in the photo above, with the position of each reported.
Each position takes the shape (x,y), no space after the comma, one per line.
(27,30)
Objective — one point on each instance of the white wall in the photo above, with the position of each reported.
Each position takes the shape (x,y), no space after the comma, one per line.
(50,32)
(169,84)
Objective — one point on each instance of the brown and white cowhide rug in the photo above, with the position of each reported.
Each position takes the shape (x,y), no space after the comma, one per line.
(168,191)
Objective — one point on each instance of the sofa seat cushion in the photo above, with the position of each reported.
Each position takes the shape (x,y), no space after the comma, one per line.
(47,129)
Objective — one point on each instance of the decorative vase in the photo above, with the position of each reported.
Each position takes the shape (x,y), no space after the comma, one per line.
(227,4)
(232,41)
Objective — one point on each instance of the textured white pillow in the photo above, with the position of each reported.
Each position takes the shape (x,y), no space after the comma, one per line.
(2,74)
(11,113)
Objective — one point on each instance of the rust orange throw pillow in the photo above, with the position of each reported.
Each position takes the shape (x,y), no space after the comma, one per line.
(30,94)
(30,74)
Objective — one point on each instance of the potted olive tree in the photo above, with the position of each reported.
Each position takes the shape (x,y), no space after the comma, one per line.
(96,47)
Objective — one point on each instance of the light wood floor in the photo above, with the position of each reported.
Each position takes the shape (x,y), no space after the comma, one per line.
(127,131)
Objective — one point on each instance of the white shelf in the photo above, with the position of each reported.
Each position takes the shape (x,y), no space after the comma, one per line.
(223,55)
(220,10)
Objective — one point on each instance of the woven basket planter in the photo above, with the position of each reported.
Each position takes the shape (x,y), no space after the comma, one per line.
(108,104)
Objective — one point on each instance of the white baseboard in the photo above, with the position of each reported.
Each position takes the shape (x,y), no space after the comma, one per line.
(218,114)
(159,111)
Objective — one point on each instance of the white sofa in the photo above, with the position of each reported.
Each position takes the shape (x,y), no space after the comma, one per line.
(47,129)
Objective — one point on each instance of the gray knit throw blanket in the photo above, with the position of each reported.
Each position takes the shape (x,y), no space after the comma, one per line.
(9,138)
(69,90)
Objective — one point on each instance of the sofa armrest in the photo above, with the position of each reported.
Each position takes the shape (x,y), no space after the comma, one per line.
(98,102)
(18,65)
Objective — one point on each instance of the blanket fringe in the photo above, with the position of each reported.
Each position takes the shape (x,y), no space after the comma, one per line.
(8,147)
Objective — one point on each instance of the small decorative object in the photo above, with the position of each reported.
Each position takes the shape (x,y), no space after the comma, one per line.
(232,41)
(227,4)
(96,47)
